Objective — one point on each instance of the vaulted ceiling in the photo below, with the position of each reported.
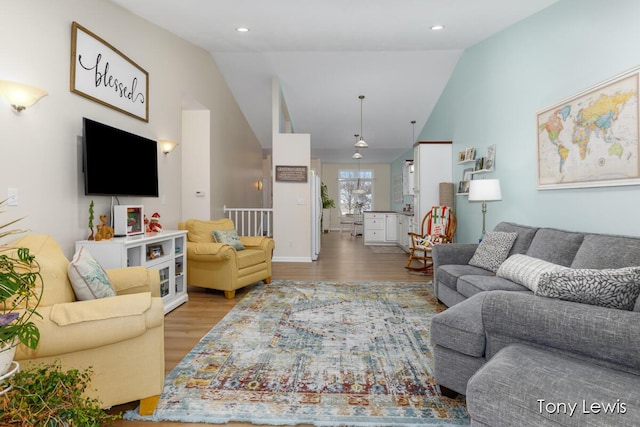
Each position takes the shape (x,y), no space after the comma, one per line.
(328,52)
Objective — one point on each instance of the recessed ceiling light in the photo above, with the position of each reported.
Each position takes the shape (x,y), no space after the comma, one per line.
(437,27)
(242,29)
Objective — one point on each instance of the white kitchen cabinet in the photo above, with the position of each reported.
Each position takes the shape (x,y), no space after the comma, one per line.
(405,226)
(164,252)
(380,228)
(390,229)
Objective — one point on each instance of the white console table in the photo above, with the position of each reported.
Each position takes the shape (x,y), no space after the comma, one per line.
(164,252)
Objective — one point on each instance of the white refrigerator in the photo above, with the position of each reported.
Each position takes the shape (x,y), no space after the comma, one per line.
(315,200)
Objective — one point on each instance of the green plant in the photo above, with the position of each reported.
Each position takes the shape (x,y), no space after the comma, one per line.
(19,297)
(91,215)
(47,396)
(324,195)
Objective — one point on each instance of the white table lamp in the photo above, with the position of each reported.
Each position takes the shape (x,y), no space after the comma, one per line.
(484,190)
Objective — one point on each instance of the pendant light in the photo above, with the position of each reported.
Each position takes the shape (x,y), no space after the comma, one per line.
(357,154)
(359,190)
(361,142)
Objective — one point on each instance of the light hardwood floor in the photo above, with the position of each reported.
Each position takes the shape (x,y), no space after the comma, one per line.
(342,257)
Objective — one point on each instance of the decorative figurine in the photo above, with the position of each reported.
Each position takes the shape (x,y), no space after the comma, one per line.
(104,231)
(154,224)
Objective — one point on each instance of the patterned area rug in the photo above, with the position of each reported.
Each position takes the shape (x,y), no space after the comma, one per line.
(323,353)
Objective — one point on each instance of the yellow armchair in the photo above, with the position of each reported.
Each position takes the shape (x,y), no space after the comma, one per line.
(219,266)
(121,338)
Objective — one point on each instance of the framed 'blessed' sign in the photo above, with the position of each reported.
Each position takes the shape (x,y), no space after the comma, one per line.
(103,74)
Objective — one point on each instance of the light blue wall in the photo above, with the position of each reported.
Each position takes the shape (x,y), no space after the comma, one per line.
(501,84)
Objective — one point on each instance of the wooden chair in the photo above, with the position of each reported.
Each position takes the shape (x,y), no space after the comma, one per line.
(438,226)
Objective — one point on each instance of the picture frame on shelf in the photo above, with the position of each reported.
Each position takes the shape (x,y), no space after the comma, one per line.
(462,155)
(154,251)
(489,161)
(470,154)
(463,187)
(479,164)
(467,174)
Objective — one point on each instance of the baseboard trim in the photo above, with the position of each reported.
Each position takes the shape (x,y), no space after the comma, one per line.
(291,259)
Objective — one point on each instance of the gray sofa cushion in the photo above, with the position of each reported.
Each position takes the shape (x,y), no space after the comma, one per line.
(471,285)
(600,251)
(460,327)
(525,235)
(600,335)
(447,275)
(507,390)
(556,246)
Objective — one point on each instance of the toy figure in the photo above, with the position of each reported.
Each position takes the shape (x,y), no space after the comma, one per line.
(146,225)
(104,231)
(154,224)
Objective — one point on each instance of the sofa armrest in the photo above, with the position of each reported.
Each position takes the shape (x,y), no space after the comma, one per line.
(258,242)
(209,252)
(82,325)
(132,280)
(453,253)
(602,335)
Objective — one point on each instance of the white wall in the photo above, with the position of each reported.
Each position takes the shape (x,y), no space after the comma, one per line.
(292,213)
(500,85)
(41,151)
(196,164)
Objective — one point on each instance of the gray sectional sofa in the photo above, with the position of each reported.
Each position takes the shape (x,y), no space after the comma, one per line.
(523,359)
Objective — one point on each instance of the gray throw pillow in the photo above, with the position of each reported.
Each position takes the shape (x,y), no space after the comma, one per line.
(493,250)
(230,237)
(612,288)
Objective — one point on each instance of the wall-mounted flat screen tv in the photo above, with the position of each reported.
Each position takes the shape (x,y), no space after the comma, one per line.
(118,163)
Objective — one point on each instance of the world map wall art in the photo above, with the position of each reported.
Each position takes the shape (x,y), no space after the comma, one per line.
(591,139)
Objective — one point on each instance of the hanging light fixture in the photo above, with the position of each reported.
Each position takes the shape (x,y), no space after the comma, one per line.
(359,190)
(357,154)
(361,142)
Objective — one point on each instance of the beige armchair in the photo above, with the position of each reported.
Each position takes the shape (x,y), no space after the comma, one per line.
(121,338)
(219,266)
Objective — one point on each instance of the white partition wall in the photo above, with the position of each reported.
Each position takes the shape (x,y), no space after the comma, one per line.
(291,204)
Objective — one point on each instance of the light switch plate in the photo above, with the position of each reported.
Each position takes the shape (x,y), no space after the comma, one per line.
(12,197)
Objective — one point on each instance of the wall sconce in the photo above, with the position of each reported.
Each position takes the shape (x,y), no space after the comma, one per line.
(258,184)
(167,145)
(19,95)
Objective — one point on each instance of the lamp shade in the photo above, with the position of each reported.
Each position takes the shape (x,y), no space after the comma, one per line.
(168,145)
(20,95)
(484,190)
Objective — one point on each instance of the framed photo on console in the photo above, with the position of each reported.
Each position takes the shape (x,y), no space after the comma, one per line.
(154,251)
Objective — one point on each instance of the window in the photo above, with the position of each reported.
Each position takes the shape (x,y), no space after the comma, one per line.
(351,200)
